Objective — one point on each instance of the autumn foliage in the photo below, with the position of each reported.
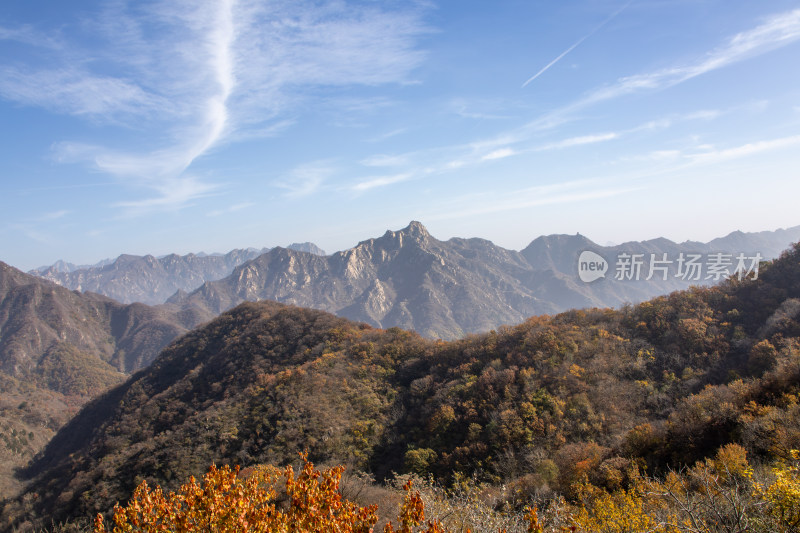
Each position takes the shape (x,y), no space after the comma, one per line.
(680,410)
(227,502)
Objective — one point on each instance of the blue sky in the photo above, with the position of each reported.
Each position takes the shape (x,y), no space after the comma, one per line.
(186,126)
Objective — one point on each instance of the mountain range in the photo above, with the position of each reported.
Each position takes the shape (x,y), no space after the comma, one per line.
(151,280)
(446,289)
(410,279)
(539,408)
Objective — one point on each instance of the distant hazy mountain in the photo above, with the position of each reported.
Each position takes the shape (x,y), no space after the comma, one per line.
(63,266)
(151,280)
(58,349)
(147,279)
(412,280)
(309,247)
(448,288)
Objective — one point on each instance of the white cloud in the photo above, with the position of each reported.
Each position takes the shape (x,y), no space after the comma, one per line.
(306,179)
(54,215)
(171,193)
(32,233)
(780,30)
(576,44)
(382,160)
(74,91)
(499,154)
(231,209)
(387,135)
(560,193)
(191,75)
(775,32)
(745,150)
(664,155)
(381,181)
(578,141)
(703,114)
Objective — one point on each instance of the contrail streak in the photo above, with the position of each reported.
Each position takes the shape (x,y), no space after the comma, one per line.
(577,43)
(221,62)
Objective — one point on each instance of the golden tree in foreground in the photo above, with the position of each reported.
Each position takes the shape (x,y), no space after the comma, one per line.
(227,502)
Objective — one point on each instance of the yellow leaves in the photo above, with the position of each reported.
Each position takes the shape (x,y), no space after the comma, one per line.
(624,511)
(731,460)
(714,495)
(783,495)
(576,371)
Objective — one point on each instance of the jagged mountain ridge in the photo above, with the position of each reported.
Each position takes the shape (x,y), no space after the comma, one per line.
(410,279)
(152,280)
(405,278)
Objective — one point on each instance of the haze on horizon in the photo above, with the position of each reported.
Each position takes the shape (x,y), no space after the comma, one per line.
(184,126)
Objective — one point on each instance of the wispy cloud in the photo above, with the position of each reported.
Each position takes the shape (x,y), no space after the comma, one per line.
(479,108)
(777,31)
(774,32)
(231,209)
(382,160)
(306,179)
(578,141)
(678,160)
(654,156)
(382,181)
(387,135)
(32,233)
(575,44)
(37,228)
(745,150)
(54,215)
(500,153)
(540,195)
(174,193)
(213,72)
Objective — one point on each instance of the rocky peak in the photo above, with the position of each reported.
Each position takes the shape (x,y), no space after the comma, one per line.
(309,247)
(415,232)
(416,229)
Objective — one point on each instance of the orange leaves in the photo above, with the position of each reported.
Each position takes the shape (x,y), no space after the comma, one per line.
(317,505)
(226,502)
(412,513)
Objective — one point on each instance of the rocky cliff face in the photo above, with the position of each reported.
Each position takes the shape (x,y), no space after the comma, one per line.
(152,280)
(405,278)
(147,279)
(410,279)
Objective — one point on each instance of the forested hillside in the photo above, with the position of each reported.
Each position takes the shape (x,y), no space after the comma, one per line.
(542,407)
(59,349)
